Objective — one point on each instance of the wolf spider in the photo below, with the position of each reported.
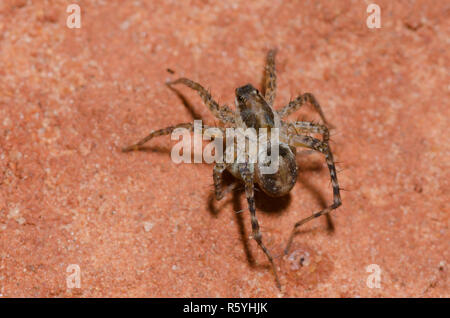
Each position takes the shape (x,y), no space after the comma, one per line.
(254,109)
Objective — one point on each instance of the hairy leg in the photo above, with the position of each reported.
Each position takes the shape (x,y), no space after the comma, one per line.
(166,131)
(315,144)
(300,127)
(247,177)
(223,113)
(299,102)
(219,168)
(270,78)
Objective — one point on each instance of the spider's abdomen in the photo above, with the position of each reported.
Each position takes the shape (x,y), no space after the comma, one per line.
(284,179)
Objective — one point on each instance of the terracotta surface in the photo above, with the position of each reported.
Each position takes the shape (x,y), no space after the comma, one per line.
(139,225)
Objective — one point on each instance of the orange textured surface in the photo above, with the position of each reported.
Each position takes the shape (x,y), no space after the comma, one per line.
(139,225)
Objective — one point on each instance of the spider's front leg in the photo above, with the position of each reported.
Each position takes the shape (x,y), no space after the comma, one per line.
(307,127)
(223,113)
(324,148)
(247,177)
(270,78)
(156,133)
(299,102)
(169,130)
(219,168)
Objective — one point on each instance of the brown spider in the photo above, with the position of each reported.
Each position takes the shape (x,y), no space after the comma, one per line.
(255,110)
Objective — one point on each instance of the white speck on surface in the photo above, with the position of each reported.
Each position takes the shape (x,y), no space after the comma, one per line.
(14,213)
(21,220)
(125,25)
(148,226)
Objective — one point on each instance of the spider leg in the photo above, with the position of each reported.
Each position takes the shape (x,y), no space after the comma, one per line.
(299,102)
(323,147)
(247,177)
(308,127)
(270,78)
(162,132)
(223,113)
(219,168)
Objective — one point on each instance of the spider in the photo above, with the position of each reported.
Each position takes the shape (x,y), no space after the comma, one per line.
(254,109)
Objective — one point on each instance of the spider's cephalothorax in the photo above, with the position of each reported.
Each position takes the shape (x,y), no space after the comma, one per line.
(255,110)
